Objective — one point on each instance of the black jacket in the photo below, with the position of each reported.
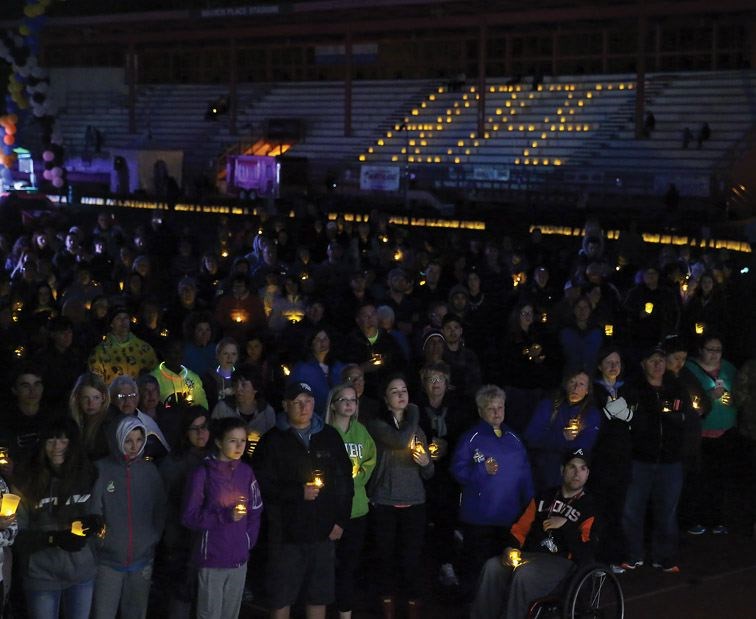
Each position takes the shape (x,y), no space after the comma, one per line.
(659,421)
(283,464)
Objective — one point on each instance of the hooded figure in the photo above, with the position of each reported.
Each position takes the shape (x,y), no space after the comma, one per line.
(130,496)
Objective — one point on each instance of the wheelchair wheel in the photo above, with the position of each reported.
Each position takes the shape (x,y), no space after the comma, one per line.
(594,593)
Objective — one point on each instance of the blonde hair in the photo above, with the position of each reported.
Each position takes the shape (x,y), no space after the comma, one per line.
(335,393)
(90,426)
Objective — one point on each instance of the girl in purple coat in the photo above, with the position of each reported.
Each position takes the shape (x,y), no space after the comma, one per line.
(222,504)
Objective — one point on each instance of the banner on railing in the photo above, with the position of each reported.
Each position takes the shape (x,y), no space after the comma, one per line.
(380,178)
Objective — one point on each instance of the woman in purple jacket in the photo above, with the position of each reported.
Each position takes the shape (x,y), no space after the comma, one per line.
(491,465)
(559,425)
(222,503)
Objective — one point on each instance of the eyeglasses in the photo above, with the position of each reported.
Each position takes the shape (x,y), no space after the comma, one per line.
(130,396)
(199,428)
(436,379)
(713,350)
(352,400)
(356,379)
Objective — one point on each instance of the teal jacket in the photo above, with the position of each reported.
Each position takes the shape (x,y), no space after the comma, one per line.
(723,415)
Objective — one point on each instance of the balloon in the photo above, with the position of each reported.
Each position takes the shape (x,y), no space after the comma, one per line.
(47,175)
(9,139)
(11,129)
(48,155)
(29,10)
(57,171)
(58,182)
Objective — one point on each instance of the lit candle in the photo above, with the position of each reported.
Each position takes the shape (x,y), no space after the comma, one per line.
(648,308)
(696,402)
(285,369)
(19,351)
(9,504)
(666,407)
(434,450)
(699,328)
(514,557)
(120,285)
(376,359)
(573,424)
(725,398)
(608,330)
(318,479)
(163,332)
(241,506)
(355,468)
(238,316)
(4,456)
(77,528)
(253,438)
(398,255)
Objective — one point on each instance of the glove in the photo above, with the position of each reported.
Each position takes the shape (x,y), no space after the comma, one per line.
(618,409)
(67,541)
(92,524)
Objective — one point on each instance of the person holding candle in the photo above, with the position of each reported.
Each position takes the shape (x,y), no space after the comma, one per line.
(566,422)
(57,560)
(491,465)
(373,349)
(341,412)
(130,496)
(177,382)
(397,495)
(656,475)
(217,383)
(223,506)
(8,532)
(651,311)
(305,518)
(719,442)
(247,403)
(442,418)
(556,530)
(700,407)
(528,356)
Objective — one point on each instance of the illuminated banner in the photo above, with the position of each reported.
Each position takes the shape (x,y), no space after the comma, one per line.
(379,178)
(243,11)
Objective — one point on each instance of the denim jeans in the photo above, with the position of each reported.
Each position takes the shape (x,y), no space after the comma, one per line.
(661,485)
(76,600)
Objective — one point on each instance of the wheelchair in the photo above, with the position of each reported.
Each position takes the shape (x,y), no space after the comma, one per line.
(591,592)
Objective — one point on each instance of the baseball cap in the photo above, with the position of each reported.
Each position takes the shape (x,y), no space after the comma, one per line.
(576,453)
(295,389)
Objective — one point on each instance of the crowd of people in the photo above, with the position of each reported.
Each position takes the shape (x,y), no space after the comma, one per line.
(176,391)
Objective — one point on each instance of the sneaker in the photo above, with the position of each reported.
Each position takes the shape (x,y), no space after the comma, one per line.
(630,565)
(447,577)
(697,529)
(720,529)
(670,569)
(617,569)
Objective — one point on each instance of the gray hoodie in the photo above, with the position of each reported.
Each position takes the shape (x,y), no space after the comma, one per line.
(130,496)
